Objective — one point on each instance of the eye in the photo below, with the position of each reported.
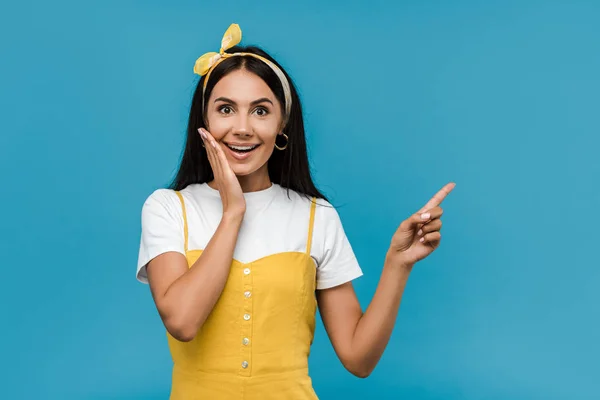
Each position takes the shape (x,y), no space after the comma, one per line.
(261,111)
(225,110)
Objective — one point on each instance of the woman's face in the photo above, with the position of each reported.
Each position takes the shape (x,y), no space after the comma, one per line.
(244,117)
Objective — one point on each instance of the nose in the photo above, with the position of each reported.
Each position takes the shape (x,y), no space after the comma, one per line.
(242,127)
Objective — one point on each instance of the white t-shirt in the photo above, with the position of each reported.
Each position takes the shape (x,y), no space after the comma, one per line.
(273,223)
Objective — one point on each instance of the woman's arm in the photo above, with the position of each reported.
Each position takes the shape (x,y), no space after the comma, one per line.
(358,338)
(185,296)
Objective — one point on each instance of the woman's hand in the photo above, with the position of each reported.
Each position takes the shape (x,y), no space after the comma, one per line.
(229,187)
(419,235)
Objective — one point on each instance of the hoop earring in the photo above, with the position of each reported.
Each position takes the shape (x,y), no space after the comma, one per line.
(286,142)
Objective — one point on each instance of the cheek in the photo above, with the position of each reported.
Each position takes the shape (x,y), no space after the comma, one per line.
(267,130)
(267,136)
(217,127)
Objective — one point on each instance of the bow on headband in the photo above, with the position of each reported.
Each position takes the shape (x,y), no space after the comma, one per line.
(208,61)
(232,37)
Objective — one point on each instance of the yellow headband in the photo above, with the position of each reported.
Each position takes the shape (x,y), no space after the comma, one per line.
(208,61)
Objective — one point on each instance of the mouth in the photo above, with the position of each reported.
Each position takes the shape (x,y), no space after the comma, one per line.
(241,152)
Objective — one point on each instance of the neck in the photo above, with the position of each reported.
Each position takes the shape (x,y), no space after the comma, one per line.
(252,183)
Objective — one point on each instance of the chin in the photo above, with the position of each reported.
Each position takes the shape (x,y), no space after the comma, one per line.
(242,170)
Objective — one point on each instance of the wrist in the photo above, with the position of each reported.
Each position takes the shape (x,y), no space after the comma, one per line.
(233,217)
(396,260)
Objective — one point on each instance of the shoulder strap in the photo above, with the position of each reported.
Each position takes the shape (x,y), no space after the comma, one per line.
(310,224)
(185,224)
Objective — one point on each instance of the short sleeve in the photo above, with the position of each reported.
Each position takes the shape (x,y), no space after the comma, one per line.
(336,263)
(162,229)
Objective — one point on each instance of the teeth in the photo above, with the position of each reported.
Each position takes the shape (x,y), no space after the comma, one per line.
(243,148)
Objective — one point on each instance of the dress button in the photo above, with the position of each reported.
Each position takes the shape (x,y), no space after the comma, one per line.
(246,317)
(245,364)
(246,271)
(245,341)
(247,294)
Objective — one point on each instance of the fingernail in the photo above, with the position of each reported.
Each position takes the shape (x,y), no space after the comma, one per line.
(425,216)
(213,144)
(422,240)
(202,133)
(420,232)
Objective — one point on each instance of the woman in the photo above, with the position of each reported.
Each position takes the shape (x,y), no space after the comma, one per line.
(242,248)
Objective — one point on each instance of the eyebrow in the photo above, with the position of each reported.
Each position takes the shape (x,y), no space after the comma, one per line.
(255,102)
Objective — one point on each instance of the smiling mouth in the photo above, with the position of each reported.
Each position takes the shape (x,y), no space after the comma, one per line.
(242,149)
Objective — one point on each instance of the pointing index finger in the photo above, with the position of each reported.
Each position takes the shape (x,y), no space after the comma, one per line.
(439,197)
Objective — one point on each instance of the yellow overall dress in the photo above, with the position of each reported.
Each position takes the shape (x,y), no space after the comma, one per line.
(255,343)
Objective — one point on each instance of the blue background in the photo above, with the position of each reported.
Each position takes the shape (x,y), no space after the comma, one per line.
(400,98)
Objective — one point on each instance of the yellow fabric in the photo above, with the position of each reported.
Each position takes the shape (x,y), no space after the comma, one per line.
(185,224)
(232,36)
(271,303)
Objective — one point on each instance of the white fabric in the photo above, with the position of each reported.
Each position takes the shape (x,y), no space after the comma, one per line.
(273,223)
